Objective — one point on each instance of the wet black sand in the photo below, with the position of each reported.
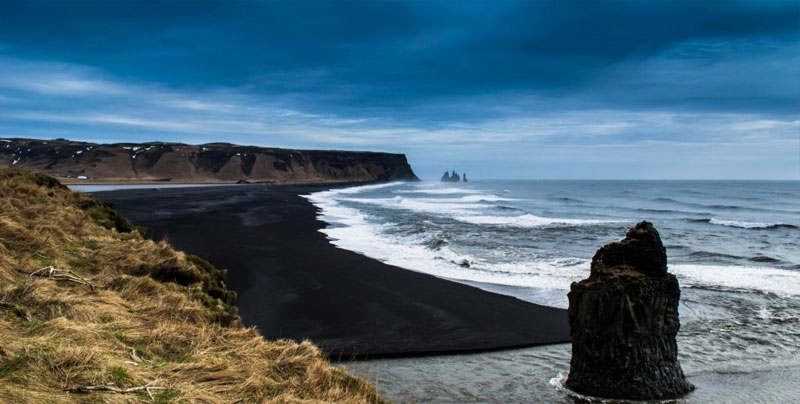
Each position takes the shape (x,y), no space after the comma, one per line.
(293,283)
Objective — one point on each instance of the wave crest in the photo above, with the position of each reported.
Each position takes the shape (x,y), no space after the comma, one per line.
(528,220)
(750,225)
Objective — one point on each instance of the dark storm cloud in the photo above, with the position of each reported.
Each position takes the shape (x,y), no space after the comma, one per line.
(371,56)
(491,85)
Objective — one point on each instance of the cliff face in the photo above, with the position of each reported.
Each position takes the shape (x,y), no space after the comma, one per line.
(623,321)
(213,162)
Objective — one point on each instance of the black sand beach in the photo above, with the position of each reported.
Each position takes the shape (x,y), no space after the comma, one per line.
(293,283)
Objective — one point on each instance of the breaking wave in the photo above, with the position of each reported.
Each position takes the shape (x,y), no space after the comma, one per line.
(438,191)
(779,281)
(528,220)
(741,224)
(750,225)
(435,247)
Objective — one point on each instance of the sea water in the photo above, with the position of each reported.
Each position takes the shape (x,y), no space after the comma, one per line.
(734,246)
(115,187)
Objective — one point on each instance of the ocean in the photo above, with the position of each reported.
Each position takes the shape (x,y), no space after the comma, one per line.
(734,246)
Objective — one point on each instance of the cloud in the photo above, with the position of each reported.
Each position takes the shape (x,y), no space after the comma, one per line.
(52,79)
(373,58)
(253,119)
(445,83)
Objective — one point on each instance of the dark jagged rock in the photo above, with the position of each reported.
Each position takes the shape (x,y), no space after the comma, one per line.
(211,162)
(464,178)
(641,249)
(623,321)
(451,177)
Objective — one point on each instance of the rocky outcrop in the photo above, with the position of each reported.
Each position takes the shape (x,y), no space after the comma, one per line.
(213,162)
(464,178)
(451,177)
(624,319)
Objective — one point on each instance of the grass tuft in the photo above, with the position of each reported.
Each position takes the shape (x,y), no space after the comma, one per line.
(120,377)
(11,365)
(155,314)
(166,396)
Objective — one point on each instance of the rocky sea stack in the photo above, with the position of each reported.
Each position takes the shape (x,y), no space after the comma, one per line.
(454,177)
(623,321)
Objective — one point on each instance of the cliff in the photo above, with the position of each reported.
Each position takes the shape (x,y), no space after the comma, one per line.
(91,311)
(624,319)
(213,162)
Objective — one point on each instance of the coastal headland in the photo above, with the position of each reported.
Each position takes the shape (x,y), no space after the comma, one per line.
(293,283)
(162,162)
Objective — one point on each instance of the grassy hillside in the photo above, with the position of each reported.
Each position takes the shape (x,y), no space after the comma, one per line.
(122,312)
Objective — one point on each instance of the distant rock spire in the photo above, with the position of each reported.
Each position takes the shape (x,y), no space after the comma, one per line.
(453,177)
(464,178)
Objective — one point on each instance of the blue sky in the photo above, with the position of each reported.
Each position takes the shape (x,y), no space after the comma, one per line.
(539,89)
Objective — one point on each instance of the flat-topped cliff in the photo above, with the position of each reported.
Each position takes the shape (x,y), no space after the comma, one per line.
(212,162)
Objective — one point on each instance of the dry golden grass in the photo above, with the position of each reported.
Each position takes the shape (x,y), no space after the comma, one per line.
(170,308)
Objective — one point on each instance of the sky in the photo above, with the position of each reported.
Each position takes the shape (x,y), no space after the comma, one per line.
(513,89)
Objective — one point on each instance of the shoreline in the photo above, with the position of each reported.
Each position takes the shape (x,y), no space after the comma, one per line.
(293,283)
(117,181)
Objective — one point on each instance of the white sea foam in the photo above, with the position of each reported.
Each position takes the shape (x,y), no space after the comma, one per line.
(559,382)
(468,208)
(437,191)
(470,204)
(528,220)
(435,206)
(779,281)
(363,188)
(353,229)
(743,224)
(484,198)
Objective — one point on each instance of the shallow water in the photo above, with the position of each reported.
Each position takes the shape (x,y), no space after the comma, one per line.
(735,247)
(115,187)
(533,375)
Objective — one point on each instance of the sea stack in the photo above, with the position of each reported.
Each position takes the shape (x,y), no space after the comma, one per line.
(623,322)
(451,177)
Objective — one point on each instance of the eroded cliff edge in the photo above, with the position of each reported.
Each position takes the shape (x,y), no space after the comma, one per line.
(212,162)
